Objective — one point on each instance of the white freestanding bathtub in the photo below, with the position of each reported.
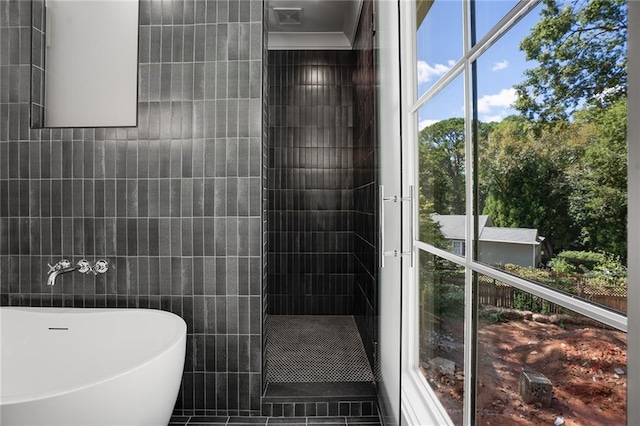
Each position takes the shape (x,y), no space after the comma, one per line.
(63,366)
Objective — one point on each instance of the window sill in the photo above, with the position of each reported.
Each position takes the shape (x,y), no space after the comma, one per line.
(419,404)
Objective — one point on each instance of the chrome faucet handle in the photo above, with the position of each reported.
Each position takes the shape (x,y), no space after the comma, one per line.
(64,263)
(100,267)
(85,266)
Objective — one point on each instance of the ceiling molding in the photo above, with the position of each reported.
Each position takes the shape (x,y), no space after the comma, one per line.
(309,41)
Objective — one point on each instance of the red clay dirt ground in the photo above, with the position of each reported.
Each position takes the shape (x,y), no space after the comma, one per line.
(579,361)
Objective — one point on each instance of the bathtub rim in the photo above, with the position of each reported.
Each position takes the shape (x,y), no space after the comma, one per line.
(179,336)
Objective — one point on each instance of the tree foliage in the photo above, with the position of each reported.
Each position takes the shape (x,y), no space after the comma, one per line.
(429,229)
(581,50)
(442,163)
(561,165)
(567,180)
(524,176)
(598,201)
(442,172)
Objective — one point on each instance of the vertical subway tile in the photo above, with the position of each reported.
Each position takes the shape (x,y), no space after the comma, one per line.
(164,199)
(187,237)
(142,198)
(89,233)
(197,158)
(177,45)
(198,274)
(198,195)
(175,198)
(209,197)
(158,200)
(176,275)
(220,236)
(208,236)
(210,165)
(176,237)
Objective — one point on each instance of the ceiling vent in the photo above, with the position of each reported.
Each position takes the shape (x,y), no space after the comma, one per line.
(288,15)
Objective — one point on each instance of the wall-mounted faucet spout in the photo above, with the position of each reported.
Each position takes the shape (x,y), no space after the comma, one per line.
(65,266)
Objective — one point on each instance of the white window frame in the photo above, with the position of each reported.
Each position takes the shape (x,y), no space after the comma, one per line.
(420,405)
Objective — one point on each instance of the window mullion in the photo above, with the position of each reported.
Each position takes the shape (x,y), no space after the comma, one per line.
(469,311)
(509,20)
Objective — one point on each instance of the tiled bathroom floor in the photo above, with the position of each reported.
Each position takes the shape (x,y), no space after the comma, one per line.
(281,421)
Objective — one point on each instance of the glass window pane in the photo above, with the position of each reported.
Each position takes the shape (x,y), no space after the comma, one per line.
(487,13)
(442,175)
(438,39)
(441,330)
(538,361)
(552,166)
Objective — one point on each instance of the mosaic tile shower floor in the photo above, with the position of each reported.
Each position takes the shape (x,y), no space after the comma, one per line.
(315,348)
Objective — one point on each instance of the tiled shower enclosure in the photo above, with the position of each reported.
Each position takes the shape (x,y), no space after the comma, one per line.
(321,296)
(322,168)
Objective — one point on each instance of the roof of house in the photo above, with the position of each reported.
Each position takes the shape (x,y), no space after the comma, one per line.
(510,235)
(452,227)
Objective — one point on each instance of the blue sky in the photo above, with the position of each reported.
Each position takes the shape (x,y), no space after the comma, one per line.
(499,68)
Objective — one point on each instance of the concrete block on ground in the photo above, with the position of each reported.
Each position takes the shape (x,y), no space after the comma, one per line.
(535,388)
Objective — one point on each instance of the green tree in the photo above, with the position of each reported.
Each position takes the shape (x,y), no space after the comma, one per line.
(442,163)
(442,172)
(429,230)
(523,174)
(581,50)
(598,201)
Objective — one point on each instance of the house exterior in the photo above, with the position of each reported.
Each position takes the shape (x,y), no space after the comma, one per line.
(497,246)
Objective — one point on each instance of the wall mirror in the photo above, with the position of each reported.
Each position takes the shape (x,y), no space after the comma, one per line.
(84,69)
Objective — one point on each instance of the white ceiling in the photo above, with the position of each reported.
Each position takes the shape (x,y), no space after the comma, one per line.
(324,24)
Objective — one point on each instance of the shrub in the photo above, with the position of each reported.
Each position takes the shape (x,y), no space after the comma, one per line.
(524,301)
(585,259)
(591,268)
(611,271)
(445,290)
(492,317)
(449,300)
(561,265)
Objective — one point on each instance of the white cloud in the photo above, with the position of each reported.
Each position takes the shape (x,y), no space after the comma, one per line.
(503,99)
(608,91)
(424,123)
(494,118)
(426,72)
(500,65)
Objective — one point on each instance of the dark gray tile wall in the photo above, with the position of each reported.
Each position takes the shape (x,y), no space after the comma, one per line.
(37,62)
(310,183)
(362,420)
(173,204)
(313,410)
(365,184)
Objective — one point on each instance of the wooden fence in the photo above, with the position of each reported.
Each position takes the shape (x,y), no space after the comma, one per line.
(496,293)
